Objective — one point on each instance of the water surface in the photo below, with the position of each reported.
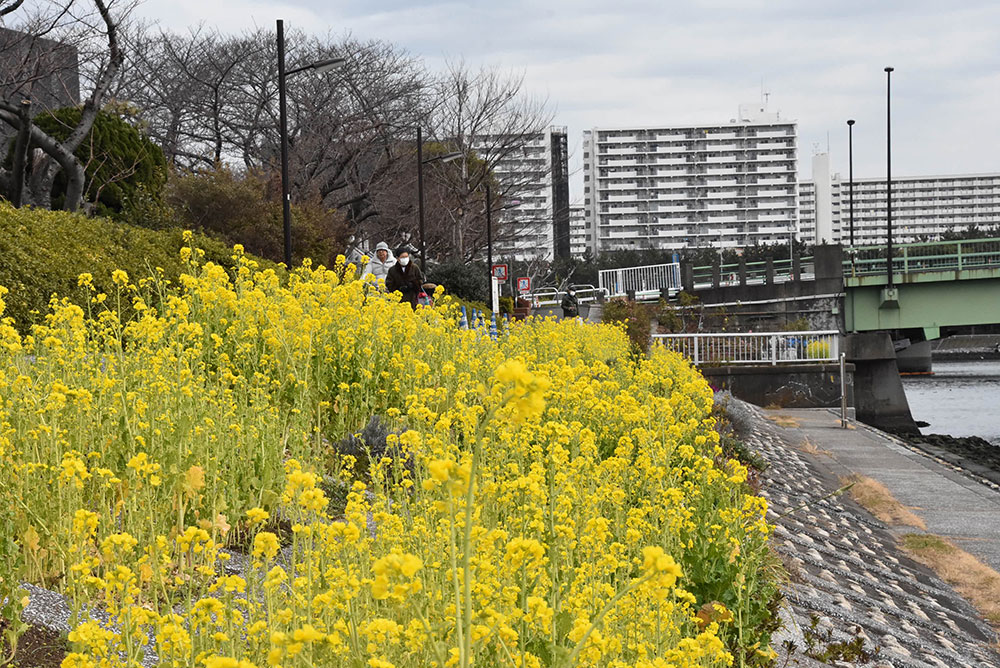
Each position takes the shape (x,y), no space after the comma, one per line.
(960,399)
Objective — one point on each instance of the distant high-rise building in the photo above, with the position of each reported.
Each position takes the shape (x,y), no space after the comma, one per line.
(671,187)
(581,237)
(922,206)
(42,70)
(536,226)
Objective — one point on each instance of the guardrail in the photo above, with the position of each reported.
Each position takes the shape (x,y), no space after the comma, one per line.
(765,348)
(918,257)
(646,282)
(756,273)
(585,294)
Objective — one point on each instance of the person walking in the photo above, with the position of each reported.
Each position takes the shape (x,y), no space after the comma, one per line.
(570,304)
(405,277)
(383,261)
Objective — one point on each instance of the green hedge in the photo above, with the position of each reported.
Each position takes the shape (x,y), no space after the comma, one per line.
(43,252)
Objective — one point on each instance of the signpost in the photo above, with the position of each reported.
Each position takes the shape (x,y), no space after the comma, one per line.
(524,284)
(499,272)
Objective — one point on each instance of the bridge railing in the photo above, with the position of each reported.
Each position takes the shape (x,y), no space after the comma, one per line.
(729,274)
(646,281)
(929,256)
(765,348)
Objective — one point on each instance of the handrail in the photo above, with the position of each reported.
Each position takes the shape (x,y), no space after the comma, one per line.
(771,348)
(957,255)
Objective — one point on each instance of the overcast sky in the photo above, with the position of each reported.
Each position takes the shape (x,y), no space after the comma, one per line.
(608,63)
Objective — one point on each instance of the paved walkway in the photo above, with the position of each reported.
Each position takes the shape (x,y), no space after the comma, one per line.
(951,503)
(849,581)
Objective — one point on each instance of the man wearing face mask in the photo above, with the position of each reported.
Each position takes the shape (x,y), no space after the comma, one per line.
(405,277)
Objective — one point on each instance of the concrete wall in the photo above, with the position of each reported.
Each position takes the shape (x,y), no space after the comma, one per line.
(878,390)
(771,306)
(788,386)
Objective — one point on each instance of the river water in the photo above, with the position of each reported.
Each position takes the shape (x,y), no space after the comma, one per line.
(960,399)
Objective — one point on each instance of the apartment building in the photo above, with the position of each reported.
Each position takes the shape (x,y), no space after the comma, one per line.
(672,187)
(923,207)
(581,237)
(536,176)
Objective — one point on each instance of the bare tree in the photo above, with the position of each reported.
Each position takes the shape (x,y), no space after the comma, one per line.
(53,28)
(207,99)
(485,115)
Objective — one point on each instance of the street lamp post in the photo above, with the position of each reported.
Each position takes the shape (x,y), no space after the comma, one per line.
(420,187)
(489,233)
(286,197)
(850,173)
(420,199)
(888,179)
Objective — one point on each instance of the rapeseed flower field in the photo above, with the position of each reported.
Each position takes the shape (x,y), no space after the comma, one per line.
(542,499)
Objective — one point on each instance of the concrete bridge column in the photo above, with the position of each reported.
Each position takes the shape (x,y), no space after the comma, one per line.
(878,392)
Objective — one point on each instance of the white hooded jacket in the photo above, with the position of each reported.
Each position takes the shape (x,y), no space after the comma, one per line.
(377,267)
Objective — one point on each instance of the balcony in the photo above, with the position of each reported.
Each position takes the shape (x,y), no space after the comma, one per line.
(721,170)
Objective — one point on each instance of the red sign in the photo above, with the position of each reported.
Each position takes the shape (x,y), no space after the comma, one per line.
(524,284)
(500,272)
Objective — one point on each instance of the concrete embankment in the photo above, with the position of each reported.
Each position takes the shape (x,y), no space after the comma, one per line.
(846,568)
(967,347)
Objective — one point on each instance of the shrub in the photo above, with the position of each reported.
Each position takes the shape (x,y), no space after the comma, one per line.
(119,159)
(635,318)
(246,209)
(470,281)
(43,252)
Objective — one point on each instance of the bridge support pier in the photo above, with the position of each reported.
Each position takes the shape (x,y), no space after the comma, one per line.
(878,392)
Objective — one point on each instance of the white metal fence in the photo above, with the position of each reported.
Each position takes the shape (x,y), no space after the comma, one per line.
(585,294)
(646,282)
(764,348)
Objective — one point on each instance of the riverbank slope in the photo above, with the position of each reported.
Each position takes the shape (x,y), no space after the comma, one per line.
(851,584)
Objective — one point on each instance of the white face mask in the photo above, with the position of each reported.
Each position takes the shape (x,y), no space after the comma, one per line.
(404,261)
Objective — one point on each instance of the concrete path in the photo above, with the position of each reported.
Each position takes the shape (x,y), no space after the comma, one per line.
(951,502)
(849,582)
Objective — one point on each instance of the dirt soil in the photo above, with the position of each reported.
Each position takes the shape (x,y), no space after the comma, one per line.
(37,648)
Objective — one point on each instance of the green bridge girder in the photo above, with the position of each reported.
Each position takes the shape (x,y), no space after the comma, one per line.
(935,284)
(925,300)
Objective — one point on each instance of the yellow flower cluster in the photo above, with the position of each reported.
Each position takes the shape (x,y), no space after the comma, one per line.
(545,499)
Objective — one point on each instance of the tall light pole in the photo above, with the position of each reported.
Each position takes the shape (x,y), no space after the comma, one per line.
(420,200)
(888,178)
(850,173)
(286,197)
(489,234)
(420,188)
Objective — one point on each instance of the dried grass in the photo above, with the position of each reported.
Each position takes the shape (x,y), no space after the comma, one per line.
(783,420)
(971,578)
(879,501)
(808,447)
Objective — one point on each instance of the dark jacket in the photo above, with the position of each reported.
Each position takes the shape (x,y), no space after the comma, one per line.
(406,280)
(570,306)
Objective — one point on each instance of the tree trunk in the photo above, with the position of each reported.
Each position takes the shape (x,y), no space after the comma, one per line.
(20,154)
